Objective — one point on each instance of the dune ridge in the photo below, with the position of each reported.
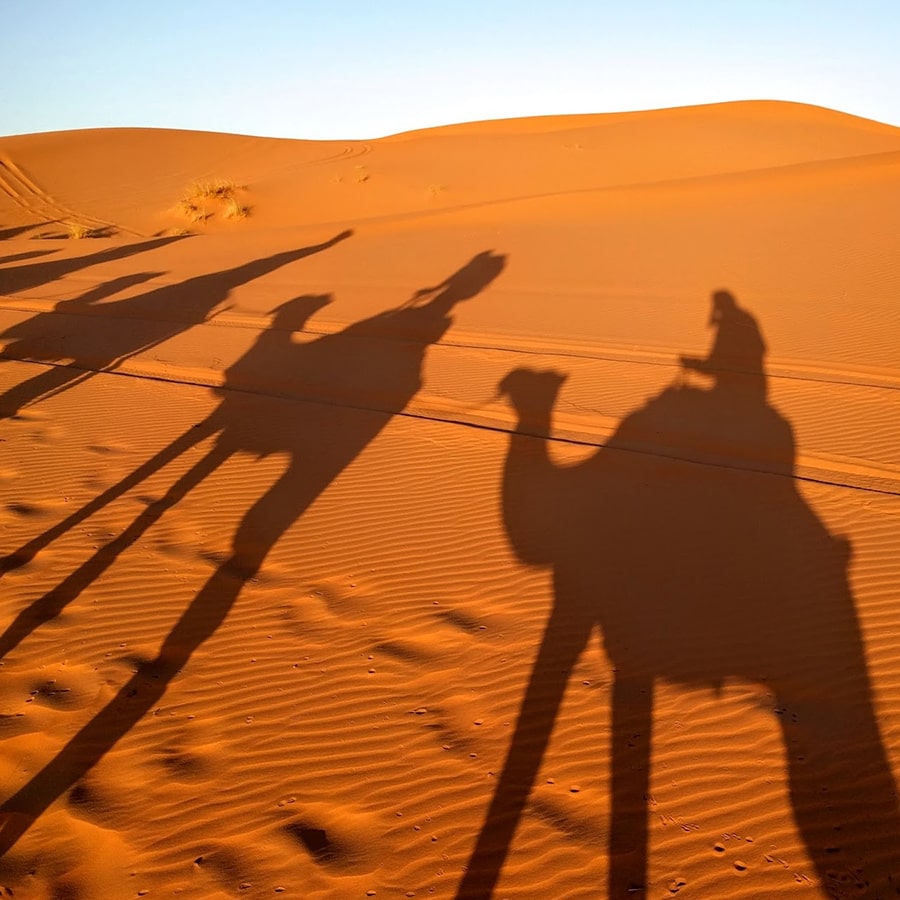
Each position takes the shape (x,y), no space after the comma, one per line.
(501,510)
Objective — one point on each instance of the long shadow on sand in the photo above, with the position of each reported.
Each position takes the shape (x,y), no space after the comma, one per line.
(27,277)
(693,572)
(374,366)
(26,254)
(17,230)
(124,327)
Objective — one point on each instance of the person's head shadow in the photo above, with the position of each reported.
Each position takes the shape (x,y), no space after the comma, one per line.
(685,543)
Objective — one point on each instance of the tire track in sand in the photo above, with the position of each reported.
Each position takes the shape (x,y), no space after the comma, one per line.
(28,195)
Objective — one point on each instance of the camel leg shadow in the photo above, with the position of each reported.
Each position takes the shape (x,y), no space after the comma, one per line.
(562,644)
(258,532)
(50,381)
(842,791)
(632,728)
(51,604)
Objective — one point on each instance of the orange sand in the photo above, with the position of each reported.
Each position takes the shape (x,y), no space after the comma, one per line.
(299,600)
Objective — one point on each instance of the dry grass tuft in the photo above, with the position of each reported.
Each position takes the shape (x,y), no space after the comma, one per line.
(204,200)
(77,231)
(220,189)
(192,210)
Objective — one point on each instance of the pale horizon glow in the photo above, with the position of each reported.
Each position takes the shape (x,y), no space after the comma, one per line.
(360,70)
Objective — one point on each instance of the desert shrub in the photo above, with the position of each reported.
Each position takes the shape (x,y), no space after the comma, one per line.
(77,231)
(205,199)
(193,211)
(220,189)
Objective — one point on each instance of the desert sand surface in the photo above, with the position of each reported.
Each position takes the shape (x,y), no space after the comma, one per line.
(505,510)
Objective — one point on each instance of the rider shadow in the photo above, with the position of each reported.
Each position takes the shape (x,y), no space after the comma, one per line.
(685,542)
(127,327)
(366,363)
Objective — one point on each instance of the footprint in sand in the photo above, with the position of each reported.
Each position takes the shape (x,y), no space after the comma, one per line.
(64,687)
(344,840)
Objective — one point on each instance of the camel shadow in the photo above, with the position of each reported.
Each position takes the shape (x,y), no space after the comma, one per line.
(127,327)
(363,377)
(685,542)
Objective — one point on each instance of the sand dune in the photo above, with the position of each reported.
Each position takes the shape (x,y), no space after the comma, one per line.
(504,510)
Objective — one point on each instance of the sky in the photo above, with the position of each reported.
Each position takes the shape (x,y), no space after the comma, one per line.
(352,69)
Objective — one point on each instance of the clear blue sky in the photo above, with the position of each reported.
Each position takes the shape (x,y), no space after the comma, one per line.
(364,69)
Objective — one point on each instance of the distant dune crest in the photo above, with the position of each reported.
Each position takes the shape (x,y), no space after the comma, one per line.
(124,181)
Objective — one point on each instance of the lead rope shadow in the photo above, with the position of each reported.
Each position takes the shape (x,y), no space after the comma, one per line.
(690,505)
